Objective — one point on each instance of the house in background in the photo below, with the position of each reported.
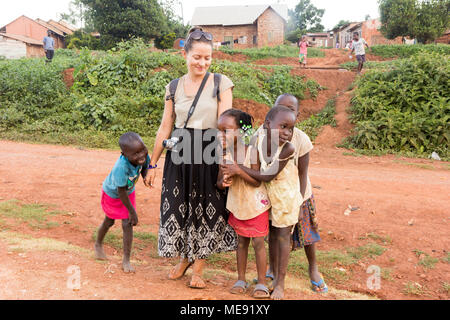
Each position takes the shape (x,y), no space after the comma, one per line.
(30,33)
(321,39)
(342,35)
(445,38)
(370,31)
(244,26)
(15,46)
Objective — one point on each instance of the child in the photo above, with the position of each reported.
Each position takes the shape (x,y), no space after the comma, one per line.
(303,45)
(247,199)
(118,195)
(306,231)
(358,47)
(279,173)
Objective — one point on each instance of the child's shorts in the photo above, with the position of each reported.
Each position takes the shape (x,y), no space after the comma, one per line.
(361,58)
(114,208)
(302,58)
(304,233)
(253,228)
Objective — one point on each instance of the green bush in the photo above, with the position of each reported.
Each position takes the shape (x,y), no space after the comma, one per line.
(404,108)
(406,51)
(283,51)
(115,91)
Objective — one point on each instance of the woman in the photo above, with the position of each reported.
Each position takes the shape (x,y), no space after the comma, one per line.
(193,221)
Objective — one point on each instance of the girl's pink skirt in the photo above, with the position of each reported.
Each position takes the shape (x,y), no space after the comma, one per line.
(253,228)
(114,208)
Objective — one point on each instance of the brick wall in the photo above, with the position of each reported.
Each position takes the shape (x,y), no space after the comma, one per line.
(29,28)
(371,33)
(270,29)
(34,51)
(12,49)
(220,32)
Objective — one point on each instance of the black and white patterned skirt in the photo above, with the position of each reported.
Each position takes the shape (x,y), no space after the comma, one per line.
(194,219)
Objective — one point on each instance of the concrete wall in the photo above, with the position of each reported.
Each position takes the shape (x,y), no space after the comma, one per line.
(12,49)
(271,29)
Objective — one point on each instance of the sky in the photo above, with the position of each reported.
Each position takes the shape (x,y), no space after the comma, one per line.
(335,10)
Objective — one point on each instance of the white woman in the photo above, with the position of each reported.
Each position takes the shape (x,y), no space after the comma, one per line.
(193,222)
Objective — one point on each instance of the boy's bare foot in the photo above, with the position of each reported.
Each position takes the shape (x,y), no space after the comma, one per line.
(197,282)
(179,270)
(99,253)
(127,267)
(278,293)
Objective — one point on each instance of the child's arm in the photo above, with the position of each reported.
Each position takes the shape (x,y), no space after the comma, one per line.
(236,170)
(123,195)
(271,173)
(144,171)
(303,164)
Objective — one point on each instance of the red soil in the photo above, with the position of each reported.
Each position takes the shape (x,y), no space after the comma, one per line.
(400,198)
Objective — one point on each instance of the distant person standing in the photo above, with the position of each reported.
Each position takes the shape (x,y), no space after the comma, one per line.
(303,45)
(358,47)
(49,46)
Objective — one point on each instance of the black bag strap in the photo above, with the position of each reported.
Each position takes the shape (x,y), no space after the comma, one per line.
(197,97)
(172,90)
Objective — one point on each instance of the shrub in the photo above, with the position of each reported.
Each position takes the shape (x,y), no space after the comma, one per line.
(282,51)
(406,51)
(404,108)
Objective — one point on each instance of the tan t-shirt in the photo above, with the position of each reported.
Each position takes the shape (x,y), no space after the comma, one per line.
(303,146)
(206,112)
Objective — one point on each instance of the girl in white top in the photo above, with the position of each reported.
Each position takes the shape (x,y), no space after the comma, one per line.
(247,199)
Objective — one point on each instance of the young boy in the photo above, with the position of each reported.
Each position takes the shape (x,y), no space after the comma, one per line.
(118,195)
(358,47)
(306,231)
(49,46)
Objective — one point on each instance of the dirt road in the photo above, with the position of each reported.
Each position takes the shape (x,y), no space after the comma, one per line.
(403,209)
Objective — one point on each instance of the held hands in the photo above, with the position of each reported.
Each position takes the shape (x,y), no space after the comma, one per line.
(227,181)
(230,170)
(149,180)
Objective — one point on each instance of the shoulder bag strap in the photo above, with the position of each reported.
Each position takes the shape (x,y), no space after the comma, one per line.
(197,97)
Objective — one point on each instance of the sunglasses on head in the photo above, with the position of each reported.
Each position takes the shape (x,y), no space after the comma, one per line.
(198,34)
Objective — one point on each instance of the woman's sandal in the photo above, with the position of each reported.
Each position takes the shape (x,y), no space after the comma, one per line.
(261,288)
(240,287)
(182,275)
(316,286)
(268,276)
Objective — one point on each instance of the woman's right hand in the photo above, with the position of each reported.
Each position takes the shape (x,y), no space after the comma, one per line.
(150,179)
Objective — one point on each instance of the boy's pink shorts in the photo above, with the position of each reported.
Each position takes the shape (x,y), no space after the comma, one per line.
(114,208)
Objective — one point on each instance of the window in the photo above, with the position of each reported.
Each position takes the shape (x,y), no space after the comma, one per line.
(270,36)
(243,40)
(255,40)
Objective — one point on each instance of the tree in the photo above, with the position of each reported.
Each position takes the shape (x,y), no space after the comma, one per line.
(425,20)
(341,24)
(304,18)
(80,14)
(123,19)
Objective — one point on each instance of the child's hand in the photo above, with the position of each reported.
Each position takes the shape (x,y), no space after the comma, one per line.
(227,181)
(133,219)
(231,170)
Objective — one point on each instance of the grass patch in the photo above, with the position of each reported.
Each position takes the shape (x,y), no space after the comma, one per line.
(283,51)
(141,239)
(384,239)
(413,289)
(446,287)
(313,125)
(418,165)
(386,274)
(446,258)
(35,215)
(428,262)
(22,242)
(370,250)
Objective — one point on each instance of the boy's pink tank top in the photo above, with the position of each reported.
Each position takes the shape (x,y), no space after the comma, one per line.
(303,47)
